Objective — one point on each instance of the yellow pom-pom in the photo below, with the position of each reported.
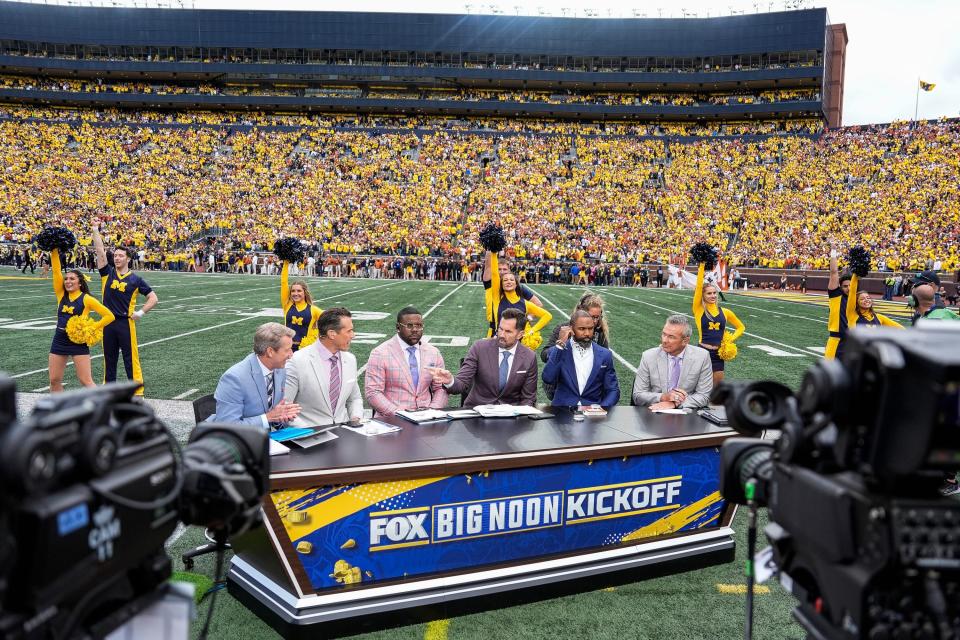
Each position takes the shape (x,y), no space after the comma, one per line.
(532,340)
(727,351)
(83,330)
(309,339)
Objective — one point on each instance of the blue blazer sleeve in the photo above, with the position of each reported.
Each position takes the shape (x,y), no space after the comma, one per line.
(231,402)
(551,370)
(611,386)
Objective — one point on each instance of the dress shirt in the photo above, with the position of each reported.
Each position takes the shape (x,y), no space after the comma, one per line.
(583,361)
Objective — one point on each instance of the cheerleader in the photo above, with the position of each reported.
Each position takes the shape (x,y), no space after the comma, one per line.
(503,294)
(838,287)
(861,313)
(73,300)
(712,322)
(299,312)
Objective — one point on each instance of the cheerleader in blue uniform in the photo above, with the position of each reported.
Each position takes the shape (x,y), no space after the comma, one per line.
(299,312)
(73,300)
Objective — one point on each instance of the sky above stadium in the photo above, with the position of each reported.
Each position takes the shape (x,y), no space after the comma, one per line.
(892,43)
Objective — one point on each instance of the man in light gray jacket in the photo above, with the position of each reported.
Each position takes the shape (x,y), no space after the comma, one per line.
(675,374)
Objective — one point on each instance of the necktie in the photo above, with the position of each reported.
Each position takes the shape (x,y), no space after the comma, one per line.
(334,383)
(414,369)
(504,369)
(269,379)
(674,372)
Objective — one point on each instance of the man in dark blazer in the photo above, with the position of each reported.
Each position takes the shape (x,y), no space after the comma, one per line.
(251,391)
(500,369)
(581,369)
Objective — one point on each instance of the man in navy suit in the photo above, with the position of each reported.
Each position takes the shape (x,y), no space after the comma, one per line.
(251,391)
(581,369)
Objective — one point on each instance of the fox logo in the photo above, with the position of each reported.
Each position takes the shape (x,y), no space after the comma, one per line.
(297,320)
(120,286)
(713,326)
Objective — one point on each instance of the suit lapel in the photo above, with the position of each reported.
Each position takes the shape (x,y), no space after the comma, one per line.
(663,365)
(401,354)
(257,375)
(493,364)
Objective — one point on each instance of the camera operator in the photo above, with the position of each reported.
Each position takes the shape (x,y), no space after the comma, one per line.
(926,298)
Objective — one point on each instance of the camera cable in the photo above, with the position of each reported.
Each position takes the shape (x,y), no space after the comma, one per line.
(750,490)
(217,577)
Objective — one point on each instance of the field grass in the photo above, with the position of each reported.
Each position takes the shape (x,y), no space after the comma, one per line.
(205,323)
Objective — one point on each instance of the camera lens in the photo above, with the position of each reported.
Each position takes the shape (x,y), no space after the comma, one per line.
(758,404)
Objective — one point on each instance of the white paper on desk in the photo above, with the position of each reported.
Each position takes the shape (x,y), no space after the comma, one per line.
(460,414)
(277,448)
(496,410)
(424,415)
(372,428)
(672,411)
(526,410)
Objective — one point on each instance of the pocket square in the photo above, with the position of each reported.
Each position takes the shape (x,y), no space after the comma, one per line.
(522,371)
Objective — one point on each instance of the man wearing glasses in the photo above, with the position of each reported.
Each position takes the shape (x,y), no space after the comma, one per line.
(398,372)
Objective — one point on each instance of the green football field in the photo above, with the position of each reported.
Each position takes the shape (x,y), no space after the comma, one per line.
(204,323)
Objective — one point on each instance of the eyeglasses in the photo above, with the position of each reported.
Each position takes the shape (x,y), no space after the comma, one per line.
(411,325)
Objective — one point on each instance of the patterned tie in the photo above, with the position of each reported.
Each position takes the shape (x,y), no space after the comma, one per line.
(504,369)
(414,369)
(675,371)
(334,383)
(269,379)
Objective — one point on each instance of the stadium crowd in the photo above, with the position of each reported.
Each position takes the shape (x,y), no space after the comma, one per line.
(775,202)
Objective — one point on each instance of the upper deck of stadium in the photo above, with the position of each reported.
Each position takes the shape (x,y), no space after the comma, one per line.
(743,53)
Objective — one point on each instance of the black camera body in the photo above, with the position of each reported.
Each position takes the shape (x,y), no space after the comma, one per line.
(859,531)
(92,486)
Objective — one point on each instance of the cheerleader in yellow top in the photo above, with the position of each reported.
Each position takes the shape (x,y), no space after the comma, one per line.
(299,312)
(502,294)
(73,300)
(712,322)
(860,313)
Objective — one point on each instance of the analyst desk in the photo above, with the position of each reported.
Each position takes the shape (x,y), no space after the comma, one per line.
(469,508)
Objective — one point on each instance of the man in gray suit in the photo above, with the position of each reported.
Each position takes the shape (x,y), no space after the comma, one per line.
(675,374)
(322,378)
(251,391)
(501,370)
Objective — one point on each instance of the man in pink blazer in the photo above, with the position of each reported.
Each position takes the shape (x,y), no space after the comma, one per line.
(397,376)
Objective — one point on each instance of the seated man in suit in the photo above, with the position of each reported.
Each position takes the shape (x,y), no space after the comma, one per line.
(675,374)
(398,371)
(251,391)
(581,369)
(501,370)
(322,378)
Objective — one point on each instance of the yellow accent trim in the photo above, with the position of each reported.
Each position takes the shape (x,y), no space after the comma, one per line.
(344,504)
(418,543)
(135,356)
(437,630)
(624,514)
(676,520)
(399,511)
(624,484)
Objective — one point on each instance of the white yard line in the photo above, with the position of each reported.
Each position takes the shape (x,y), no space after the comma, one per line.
(562,312)
(185,394)
(147,344)
(752,335)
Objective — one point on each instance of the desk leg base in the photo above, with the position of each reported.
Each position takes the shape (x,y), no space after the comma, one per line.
(349,611)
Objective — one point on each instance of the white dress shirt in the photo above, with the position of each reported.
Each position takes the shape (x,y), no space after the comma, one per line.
(583,361)
(406,349)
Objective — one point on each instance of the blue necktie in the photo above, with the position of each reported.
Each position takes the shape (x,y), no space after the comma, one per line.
(504,369)
(414,369)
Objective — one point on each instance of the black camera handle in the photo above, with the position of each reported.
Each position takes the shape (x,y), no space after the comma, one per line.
(750,490)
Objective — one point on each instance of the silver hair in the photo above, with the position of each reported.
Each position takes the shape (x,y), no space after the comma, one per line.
(681,320)
(270,335)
